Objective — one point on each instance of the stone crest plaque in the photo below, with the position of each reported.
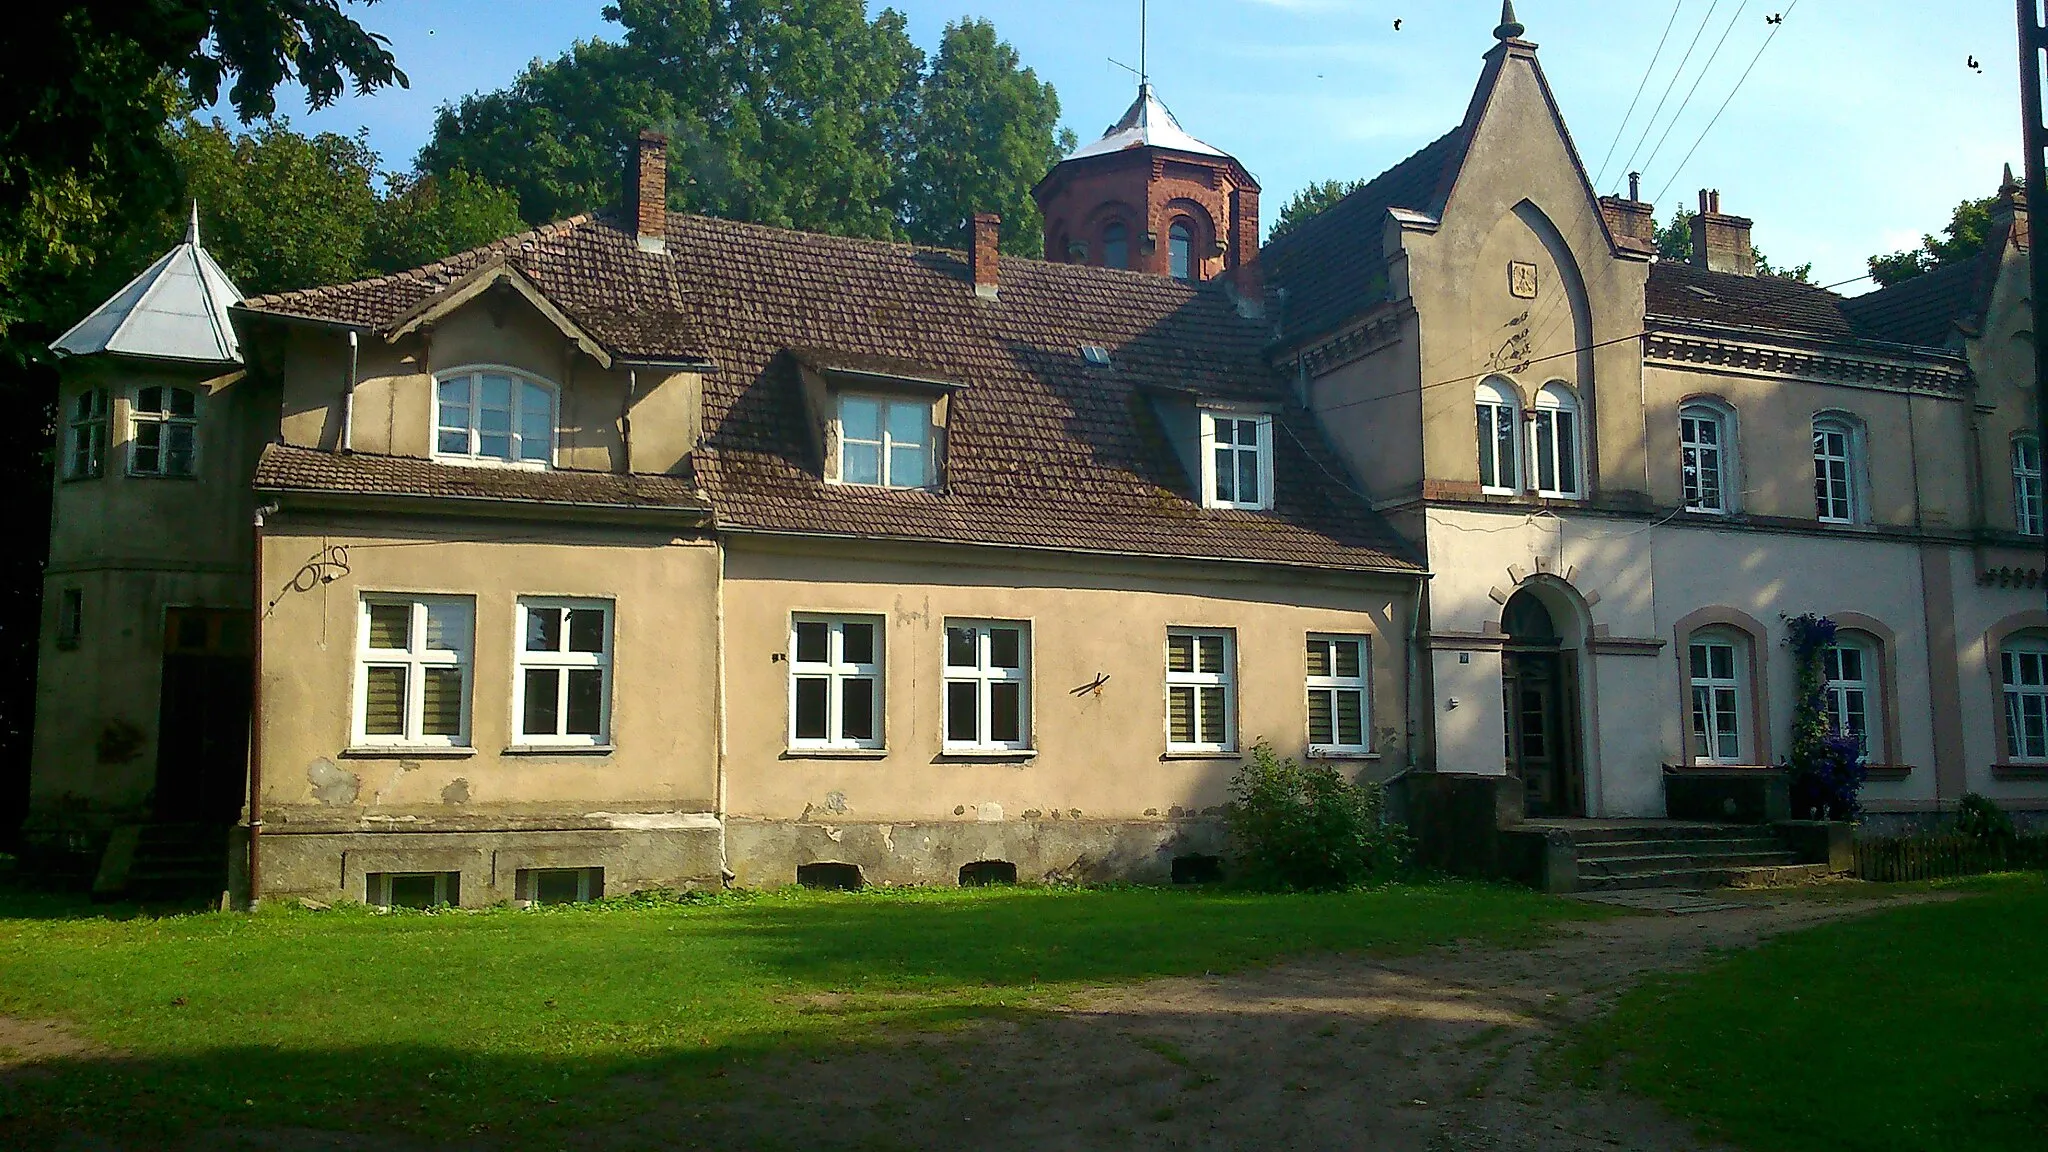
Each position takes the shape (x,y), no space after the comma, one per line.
(1522,280)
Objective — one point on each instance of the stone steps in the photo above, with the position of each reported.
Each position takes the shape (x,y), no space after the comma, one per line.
(1766,876)
(164,862)
(1626,855)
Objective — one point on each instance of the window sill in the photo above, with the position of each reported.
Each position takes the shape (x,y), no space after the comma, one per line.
(835,754)
(1341,754)
(559,750)
(493,462)
(1707,766)
(186,478)
(1883,772)
(2033,770)
(406,752)
(985,755)
(1210,755)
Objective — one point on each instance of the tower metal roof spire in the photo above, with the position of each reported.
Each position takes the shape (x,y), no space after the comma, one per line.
(1510,28)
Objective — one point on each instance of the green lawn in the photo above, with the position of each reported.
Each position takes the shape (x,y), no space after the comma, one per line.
(532,1020)
(1923,1027)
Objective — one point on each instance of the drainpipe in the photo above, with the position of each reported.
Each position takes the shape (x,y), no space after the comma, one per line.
(626,416)
(256,706)
(348,401)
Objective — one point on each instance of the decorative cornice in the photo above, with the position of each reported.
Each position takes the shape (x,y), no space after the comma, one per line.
(1377,332)
(2007,576)
(1931,376)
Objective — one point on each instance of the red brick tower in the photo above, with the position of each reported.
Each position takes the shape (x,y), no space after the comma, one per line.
(1150,197)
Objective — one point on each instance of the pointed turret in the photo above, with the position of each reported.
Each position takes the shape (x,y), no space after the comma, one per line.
(1510,28)
(177,309)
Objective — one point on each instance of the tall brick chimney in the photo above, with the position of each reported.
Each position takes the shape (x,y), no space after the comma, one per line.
(1632,221)
(981,253)
(648,189)
(1721,243)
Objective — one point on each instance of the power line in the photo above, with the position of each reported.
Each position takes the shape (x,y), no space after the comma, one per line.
(1640,85)
(1651,123)
(1481,374)
(1697,81)
(1775,29)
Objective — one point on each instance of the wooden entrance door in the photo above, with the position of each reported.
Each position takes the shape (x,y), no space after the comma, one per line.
(1539,738)
(202,746)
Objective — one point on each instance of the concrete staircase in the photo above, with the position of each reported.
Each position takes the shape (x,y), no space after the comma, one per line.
(1619,855)
(164,862)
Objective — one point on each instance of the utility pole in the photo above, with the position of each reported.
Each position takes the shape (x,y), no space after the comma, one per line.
(2033,43)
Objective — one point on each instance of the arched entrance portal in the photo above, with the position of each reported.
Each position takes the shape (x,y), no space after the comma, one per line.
(1540,695)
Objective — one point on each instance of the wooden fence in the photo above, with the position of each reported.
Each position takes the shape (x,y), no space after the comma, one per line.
(1942,857)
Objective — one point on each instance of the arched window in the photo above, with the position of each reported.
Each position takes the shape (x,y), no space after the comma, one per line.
(1707,457)
(495,415)
(1180,241)
(1855,704)
(1556,434)
(1498,416)
(2026,485)
(1835,465)
(2023,669)
(1717,662)
(1116,246)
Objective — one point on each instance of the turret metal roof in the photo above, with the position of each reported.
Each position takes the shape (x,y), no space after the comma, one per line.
(177,309)
(1146,125)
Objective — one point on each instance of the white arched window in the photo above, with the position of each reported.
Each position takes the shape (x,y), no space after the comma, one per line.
(2023,669)
(1716,668)
(494,415)
(1499,415)
(2026,485)
(1835,465)
(1555,433)
(1707,457)
(1854,703)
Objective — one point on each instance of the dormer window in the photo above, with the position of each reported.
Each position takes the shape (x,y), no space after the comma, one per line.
(164,432)
(885,442)
(1237,460)
(494,416)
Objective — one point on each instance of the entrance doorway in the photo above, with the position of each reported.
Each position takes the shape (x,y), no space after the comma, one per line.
(202,742)
(1540,700)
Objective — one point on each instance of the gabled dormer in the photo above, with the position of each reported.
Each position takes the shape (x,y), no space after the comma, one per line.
(876,421)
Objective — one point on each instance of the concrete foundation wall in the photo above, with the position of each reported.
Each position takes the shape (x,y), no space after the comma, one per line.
(766,854)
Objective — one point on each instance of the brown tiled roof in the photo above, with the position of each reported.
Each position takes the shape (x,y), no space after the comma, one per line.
(1331,265)
(1924,309)
(1043,450)
(285,468)
(1681,291)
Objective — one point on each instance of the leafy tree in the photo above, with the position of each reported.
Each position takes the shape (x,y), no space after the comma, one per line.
(1308,202)
(1674,242)
(424,218)
(982,123)
(1962,238)
(278,209)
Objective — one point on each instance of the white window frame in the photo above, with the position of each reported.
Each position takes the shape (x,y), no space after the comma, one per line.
(1261,451)
(1195,682)
(1333,685)
(1698,459)
(1831,467)
(1499,407)
(1556,430)
(415,659)
(1850,698)
(1714,686)
(2026,485)
(474,374)
(836,671)
(165,422)
(562,661)
(886,446)
(85,439)
(2023,682)
(984,675)
(589,884)
(447,888)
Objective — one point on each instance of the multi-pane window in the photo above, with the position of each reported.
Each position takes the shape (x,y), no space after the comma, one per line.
(1339,698)
(496,416)
(562,685)
(1555,430)
(1852,689)
(85,441)
(1702,439)
(1497,434)
(1200,681)
(1180,245)
(835,682)
(885,442)
(987,685)
(1714,667)
(1834,487)
(412,670)
(1238,454)
(2023,665)
(2026,485)
(164,432)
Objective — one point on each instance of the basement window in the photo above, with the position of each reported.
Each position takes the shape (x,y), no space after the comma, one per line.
(414,889)
(983,873)
(830,875)
(559,885)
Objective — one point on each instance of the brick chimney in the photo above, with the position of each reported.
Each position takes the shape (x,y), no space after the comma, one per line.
(981,254)
(1721,243)
(1633,222)
(648,188)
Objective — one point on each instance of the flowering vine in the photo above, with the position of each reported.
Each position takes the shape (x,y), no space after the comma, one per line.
(1827,763)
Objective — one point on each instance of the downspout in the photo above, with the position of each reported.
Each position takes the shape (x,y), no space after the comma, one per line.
(256,707)
(718,801)
(626,416)
(1417,698)
(348,399)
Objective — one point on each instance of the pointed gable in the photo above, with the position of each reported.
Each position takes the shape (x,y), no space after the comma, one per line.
(177,309)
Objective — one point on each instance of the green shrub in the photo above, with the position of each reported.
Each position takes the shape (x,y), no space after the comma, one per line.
(1981,819)
(1310,829)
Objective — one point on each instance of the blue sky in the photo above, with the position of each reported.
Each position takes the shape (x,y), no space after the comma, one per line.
(1860,128)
